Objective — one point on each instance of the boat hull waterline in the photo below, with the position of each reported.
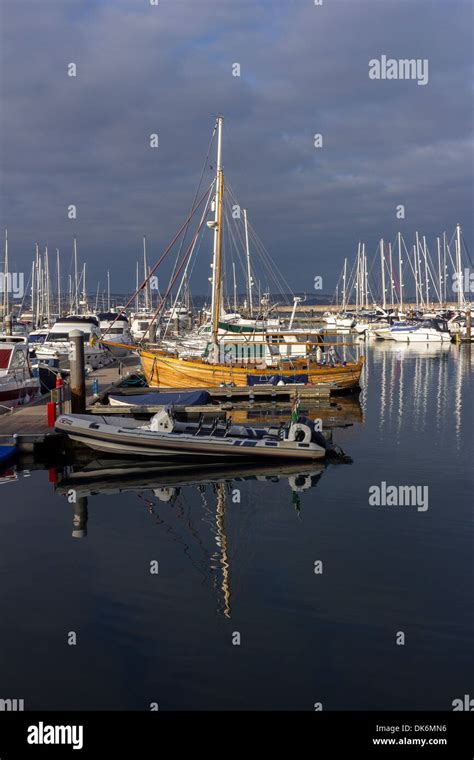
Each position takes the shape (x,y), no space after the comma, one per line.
(165,371)
(112,437)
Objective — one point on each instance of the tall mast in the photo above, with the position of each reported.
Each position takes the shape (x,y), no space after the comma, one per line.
(33,294)
(400,269)
(136,289)
(145,275)
(6,304)
(391,275)
(235,287)
(217,252)
(366,277)
(344,286)
(427,284)
(84,294)
(358,277)
(440,281)
(415,259)
(445,270)
(38,285)
(75,277)
(108,290)
(382,267)
(458,266)
(418,259)
(59,281)
(249,272)
(47,285)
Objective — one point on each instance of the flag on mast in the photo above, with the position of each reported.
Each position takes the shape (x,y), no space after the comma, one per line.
(295,408)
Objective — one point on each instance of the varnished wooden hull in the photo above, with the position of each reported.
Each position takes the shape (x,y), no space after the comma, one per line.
(165,371)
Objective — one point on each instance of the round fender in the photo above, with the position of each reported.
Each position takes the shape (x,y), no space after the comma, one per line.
(296,429)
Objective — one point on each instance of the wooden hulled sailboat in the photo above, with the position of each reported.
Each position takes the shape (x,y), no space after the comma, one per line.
(219,366)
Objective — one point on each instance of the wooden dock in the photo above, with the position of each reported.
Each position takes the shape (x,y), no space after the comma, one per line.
(27,426)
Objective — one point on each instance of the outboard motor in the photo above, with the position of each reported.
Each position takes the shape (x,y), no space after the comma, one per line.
(316,436)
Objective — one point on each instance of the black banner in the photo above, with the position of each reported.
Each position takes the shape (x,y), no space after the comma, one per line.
(374,734)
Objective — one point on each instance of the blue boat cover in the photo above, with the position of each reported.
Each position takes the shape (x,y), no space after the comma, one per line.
(155,398)
(275,379)
(6,452)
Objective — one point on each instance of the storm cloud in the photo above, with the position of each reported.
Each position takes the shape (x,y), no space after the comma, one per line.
(167,69)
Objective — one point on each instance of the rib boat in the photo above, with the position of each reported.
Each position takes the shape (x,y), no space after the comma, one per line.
(164,436)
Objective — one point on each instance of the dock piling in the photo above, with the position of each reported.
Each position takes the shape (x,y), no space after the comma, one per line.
(78,374)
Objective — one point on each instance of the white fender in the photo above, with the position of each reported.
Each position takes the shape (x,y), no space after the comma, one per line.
(295,428)
(302,487)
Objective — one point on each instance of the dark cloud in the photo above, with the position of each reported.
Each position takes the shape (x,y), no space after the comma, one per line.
(167,69)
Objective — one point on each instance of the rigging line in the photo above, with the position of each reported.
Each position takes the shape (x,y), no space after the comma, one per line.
(164,254)
(269,265)
(188,252)
(187,265)
(195,196)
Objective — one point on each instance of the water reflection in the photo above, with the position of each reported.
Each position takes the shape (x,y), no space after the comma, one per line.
(162,487)
(415,380)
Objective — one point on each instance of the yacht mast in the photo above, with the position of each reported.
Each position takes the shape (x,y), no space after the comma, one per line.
(235,288)
(249,273)
(145,276)
(6,304)
(427,284)
(458,266)
(33,319)
(357,285)
(217,252)
(76,306)
(344,286)
(366,277)
(47,285)
(136,297)
(382,267)
(400,270)
(59,281)
(392,284)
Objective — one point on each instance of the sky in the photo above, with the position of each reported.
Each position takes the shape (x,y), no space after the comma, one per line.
(168,69)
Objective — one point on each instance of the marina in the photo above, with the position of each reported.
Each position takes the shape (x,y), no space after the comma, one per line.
(236,375)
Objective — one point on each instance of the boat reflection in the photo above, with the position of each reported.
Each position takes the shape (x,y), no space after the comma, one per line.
(161,486)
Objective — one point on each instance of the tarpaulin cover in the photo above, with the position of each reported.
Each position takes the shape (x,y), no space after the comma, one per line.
(154,398)
(275,379)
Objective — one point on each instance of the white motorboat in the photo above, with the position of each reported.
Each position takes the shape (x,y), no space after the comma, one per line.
(140,323)
(114,327)
(457,326)
(345,321)
(57,344)
(425,331)
(164,436)
(177,313)
(17,384)
(36,338)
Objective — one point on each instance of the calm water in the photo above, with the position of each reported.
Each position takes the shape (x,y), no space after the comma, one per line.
(228,566)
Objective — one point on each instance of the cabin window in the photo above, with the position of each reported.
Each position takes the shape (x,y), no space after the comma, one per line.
(5,354)
(18,361)
(57,337)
